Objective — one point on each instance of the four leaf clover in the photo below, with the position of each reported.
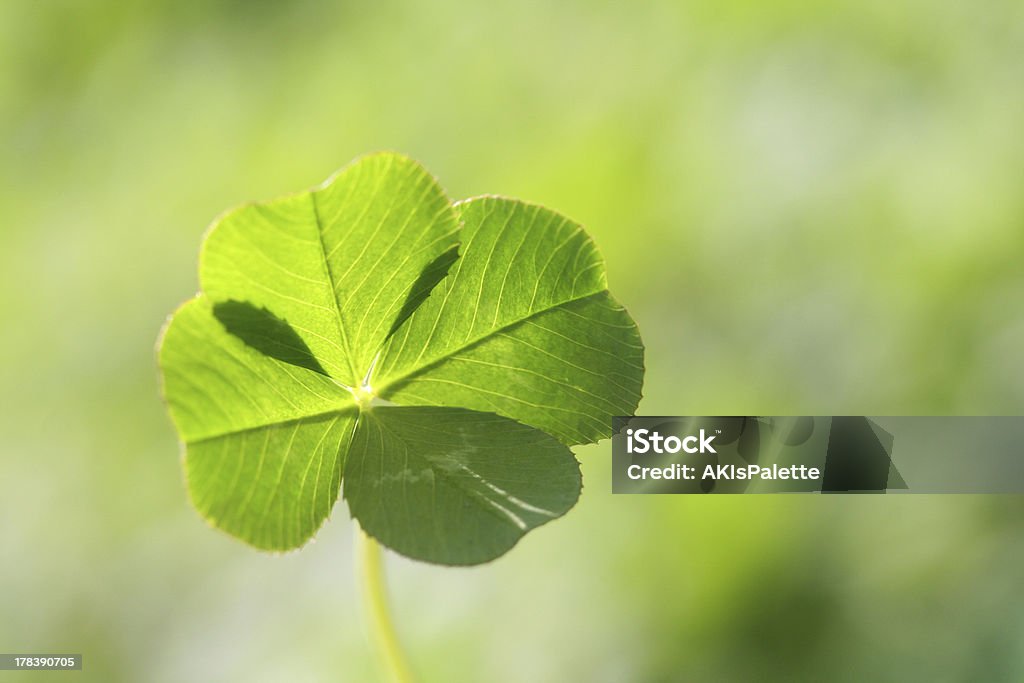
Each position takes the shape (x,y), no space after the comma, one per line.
(436,360)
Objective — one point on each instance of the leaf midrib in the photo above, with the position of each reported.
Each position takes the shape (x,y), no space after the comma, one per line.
(347,347)
(335,412)
(396,382)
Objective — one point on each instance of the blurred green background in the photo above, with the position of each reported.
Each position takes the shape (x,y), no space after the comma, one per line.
(809,208)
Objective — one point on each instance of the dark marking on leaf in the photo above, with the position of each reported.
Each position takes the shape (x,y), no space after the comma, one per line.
(267,333)
(435,271)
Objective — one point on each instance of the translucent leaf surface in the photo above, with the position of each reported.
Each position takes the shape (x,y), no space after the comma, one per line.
(523,326)
(455,486)
(486,325)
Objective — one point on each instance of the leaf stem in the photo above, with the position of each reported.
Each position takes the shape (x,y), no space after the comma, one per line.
(381,626)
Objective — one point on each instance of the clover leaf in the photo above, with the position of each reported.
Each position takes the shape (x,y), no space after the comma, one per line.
(436,359)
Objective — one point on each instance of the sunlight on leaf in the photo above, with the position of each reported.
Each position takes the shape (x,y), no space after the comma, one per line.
(486,326)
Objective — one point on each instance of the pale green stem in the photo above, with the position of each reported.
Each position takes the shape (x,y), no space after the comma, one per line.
(381,627)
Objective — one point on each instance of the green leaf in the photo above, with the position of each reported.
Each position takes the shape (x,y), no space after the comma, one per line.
(264,438)
(455,486)
(317,306)
(337,263)
(523,326)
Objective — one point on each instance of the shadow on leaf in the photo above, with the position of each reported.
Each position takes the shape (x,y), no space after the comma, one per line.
(435,271)
(267,333)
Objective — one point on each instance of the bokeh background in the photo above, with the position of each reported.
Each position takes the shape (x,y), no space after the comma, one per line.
(809,207)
